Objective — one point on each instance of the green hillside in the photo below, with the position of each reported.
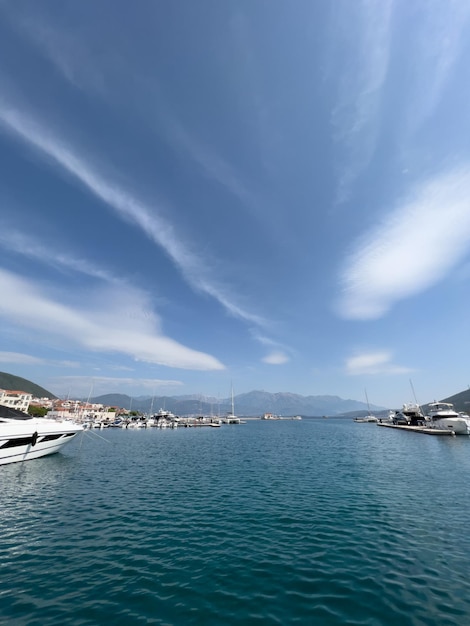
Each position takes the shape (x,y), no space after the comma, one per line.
(16,383)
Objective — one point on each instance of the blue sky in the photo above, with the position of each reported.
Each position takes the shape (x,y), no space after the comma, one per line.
(269,194)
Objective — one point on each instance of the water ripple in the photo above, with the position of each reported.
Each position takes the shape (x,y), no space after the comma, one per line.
(313,522)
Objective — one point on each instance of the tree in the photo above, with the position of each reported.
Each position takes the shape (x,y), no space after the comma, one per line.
(37,411)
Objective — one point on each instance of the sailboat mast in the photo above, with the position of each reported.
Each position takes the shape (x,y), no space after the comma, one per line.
(367,400)
(414,396)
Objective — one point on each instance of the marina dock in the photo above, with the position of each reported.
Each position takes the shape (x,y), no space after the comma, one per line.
(418,429)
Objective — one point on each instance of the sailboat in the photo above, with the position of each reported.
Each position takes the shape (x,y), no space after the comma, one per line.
(369,417)
(231,418)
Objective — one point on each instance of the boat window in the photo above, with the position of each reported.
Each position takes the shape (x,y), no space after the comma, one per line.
(9,413)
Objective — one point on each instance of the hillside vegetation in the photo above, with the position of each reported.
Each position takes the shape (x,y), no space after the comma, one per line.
(16,383)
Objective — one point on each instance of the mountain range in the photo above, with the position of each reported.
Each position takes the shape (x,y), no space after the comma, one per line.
(254,403)
(246,404)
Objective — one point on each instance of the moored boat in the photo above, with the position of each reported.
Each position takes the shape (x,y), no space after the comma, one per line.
(409,415)
(368,418)
(442,416)
(231,418)
(23,437)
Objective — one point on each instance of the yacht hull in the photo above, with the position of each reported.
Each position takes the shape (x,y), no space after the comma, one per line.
(442,416)
(459,425)
(33,438)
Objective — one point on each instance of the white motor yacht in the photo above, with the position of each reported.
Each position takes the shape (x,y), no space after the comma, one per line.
(23,437)
(413,414)
(442,416)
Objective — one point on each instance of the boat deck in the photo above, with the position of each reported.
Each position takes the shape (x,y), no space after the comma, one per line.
(419,429)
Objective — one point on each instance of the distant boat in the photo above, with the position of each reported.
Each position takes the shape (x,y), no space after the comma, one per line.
(270,416)
(368,418)
(23,437)
(410,414)
(231,418)
(163,414)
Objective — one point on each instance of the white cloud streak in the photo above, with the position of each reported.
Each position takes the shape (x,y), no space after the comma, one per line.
(84,386)
(275,358)
(21,243)
(124,204)
(439,43)
(364,29)
(415,247)
(17,358)
(278,353)
(110,382)
(101,325)
(212,165)
(72,58)
(373,363)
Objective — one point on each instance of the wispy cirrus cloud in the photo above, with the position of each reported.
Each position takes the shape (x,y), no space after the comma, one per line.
(96,385)
(413,248)
(18,358)
(124,204)
(74,59)
(62,45)
(379,362)
(278,353)
(438,43)
(28,246)
(363,30)
(99,324)
(211,164)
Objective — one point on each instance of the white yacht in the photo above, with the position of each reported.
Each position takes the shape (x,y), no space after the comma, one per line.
(368,418)
(412,415)
(23,437)
(442,416)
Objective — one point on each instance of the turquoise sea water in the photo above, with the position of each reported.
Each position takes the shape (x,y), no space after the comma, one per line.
(321,522)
